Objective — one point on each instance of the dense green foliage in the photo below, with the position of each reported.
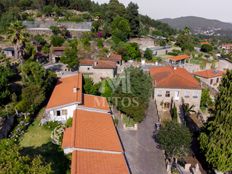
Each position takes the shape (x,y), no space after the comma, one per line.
(70,55)
(134,101)
(185,40)
(38,83)
(133,18)
(175,139)
(14,10)
(216,139)
(206,48)
(129,51)
(206,100)
(12,161)
(174,113)
(162,28)
(89,87)
(5,74)
(148,54)
(120,29)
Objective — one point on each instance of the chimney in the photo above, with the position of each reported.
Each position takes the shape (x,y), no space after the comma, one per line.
(95,63)
(175,68)
(75,90)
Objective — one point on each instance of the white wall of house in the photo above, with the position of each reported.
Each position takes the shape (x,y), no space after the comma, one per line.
(61,113)
(165,96)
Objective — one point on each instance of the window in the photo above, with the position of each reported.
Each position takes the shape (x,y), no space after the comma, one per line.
(167,94)
(159,93)
(64,112)
(195,94)
(186,94)
(217,80)
(58,113)
(211,81)
(88,68)
(177,95)
(166,105)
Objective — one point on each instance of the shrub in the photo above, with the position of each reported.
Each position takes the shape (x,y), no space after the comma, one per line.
(51,125)
(69,122)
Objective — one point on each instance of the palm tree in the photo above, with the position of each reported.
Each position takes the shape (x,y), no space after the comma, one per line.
(18,36)
(188,109)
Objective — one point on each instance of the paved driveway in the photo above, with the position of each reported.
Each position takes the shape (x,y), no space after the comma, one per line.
(140,149)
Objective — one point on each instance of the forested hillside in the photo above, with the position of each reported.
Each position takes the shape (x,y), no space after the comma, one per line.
(13,10)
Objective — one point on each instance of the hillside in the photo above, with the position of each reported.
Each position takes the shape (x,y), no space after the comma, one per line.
(199,25)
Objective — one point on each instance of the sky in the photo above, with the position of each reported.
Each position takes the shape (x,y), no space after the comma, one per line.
(159,9)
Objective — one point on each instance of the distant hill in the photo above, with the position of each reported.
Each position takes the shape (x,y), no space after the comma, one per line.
(198,24)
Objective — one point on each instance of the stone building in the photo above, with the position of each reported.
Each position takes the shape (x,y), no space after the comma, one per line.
(174,85)
(98,69)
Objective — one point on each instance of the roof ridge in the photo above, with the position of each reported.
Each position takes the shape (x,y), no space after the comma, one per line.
(185,78)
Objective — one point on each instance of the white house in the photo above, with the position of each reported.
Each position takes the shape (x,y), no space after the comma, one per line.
(67,96)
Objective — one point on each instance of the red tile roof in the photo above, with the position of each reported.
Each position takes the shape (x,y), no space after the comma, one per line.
(86,62)
(170,77)
(95,102)
(209,73)
(180,57)
(98,163)
(64,92)
(204,43)
(66,142)
(115,57)
(58,49)
(93,130)
(99,64)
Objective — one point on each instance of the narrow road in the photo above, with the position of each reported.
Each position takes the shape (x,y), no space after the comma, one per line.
(140,149)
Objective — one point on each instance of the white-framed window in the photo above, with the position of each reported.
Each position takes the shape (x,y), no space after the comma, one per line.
(159,93)
(187,94)
(64,112)
(195,94)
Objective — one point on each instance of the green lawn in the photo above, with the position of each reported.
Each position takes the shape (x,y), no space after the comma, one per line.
(36,135)
(37,141)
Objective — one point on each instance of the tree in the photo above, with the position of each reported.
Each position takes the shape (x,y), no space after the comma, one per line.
(185,40)
(57,40)
(90,87)
(188,109)
(120,29)
(114,9)
(34,74)
(70,55)
(18,36)
(133,18)
(206,100)
(12,161)
(174,113)
(215,140)
(148,54)
(32,97)
(175,139)
(129,51)
(206,48)
(5,74)
(134,101)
